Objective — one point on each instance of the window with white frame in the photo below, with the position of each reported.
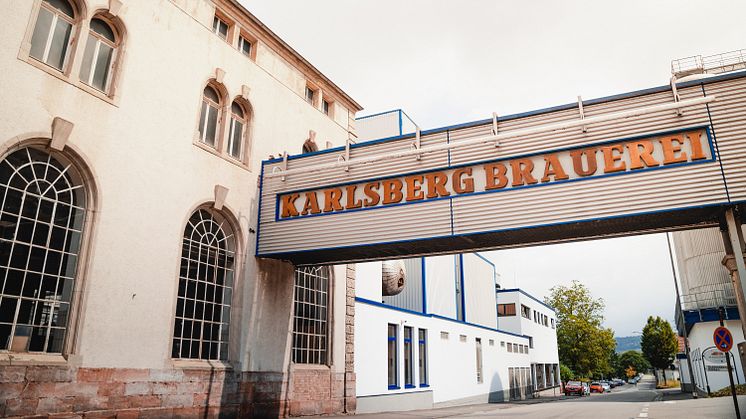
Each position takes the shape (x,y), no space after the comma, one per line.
(311,95)
(99,55)
(220,27)
(480,374)
(210,115)
(526,312)
(50,42)
(245,45)
(206,278)
(41,228)
(237,131)
(311,315)
(327,107)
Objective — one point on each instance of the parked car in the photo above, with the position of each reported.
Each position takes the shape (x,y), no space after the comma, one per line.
(574,387)
(606,386)
(586,389)
(596,387)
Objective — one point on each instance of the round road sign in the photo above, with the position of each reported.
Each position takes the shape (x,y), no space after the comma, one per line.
(723,339)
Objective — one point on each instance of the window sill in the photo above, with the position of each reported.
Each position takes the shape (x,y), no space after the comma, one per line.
(18,358)
(217,153)
(425,385)
(68,79)
(394,388)
(409,386)
(200,364)
(322,367)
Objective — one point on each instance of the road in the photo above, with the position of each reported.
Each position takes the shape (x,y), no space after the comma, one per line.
(626,402)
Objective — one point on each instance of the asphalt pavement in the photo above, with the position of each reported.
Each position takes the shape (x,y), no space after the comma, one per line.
(625,402)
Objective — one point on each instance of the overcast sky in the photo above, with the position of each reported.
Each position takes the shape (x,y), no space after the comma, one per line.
(447,62)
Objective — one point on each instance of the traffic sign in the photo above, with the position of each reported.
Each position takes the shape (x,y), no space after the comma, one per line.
(723,339)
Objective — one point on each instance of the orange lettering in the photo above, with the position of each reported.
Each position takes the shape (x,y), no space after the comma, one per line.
(577,161)
(372,196)
(331,200)
(392,191)
(288,205)
(351,202)
(638,157)
(496,178)
(436,184)
(414,191)
(695,140)
(312,204)
(463,185)
(553,167)
(522,172)
(670,149)
(610,159)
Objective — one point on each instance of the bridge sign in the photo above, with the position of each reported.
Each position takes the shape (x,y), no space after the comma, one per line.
(723,339)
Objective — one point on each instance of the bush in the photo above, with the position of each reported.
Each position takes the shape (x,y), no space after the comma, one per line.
(740,390)
(669,384)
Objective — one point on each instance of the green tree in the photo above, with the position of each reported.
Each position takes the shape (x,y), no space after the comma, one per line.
(659,343)
(566,373)
(584,346)
(632,359)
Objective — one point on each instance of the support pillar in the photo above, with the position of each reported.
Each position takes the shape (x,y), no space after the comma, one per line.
(736,266)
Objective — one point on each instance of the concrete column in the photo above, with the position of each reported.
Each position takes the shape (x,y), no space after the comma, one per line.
(736,266)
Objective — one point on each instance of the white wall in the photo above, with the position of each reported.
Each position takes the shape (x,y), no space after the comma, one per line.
(452,363)
(479,291)
(440,275)
(700,338)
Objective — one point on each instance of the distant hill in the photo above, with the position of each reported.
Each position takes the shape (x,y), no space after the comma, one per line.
(627,343)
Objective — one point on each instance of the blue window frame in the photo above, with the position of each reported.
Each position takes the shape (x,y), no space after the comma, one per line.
(393,356)
(422,341)
(408,358)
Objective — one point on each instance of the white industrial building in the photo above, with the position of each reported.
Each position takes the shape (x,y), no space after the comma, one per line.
(706,285)
(449,337)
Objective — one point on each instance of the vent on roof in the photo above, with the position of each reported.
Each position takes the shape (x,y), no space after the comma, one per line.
(710,64)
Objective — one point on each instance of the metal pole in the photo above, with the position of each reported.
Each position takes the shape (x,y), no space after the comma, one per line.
(721,312)
(704,369)
(681,313)
(735,242)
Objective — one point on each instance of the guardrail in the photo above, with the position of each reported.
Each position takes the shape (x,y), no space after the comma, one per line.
(711,64)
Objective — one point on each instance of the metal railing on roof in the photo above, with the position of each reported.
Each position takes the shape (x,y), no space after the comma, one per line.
(709,64)
(724,296)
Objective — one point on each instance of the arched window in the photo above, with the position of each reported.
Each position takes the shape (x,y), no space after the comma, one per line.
(237,132)
(209,117)
(100,53)
(206,280)
(41,225)
(52,33)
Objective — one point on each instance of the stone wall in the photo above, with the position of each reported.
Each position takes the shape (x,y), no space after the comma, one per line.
(45,391)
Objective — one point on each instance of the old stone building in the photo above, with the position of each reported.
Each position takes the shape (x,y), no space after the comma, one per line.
(131,139)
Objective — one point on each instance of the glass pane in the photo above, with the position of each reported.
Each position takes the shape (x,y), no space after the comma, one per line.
(212,125)
(85,68)
(202,121)
(237,134)
(245,46)
(223,29)
(58,47)
(211,94)
(62,5)
(102,28)
(101,72)
(41,33)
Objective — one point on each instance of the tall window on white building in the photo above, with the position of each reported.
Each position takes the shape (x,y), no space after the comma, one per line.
(209,117)
(99,55)
(52,33)
(203,306)
(480,374)
(41,225)
(236,133)
(311,315)
(393,357)
(408,358)
(422,351)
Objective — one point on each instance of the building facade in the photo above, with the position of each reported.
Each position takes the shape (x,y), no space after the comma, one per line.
(706,285)
(448,338)
(131,147)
